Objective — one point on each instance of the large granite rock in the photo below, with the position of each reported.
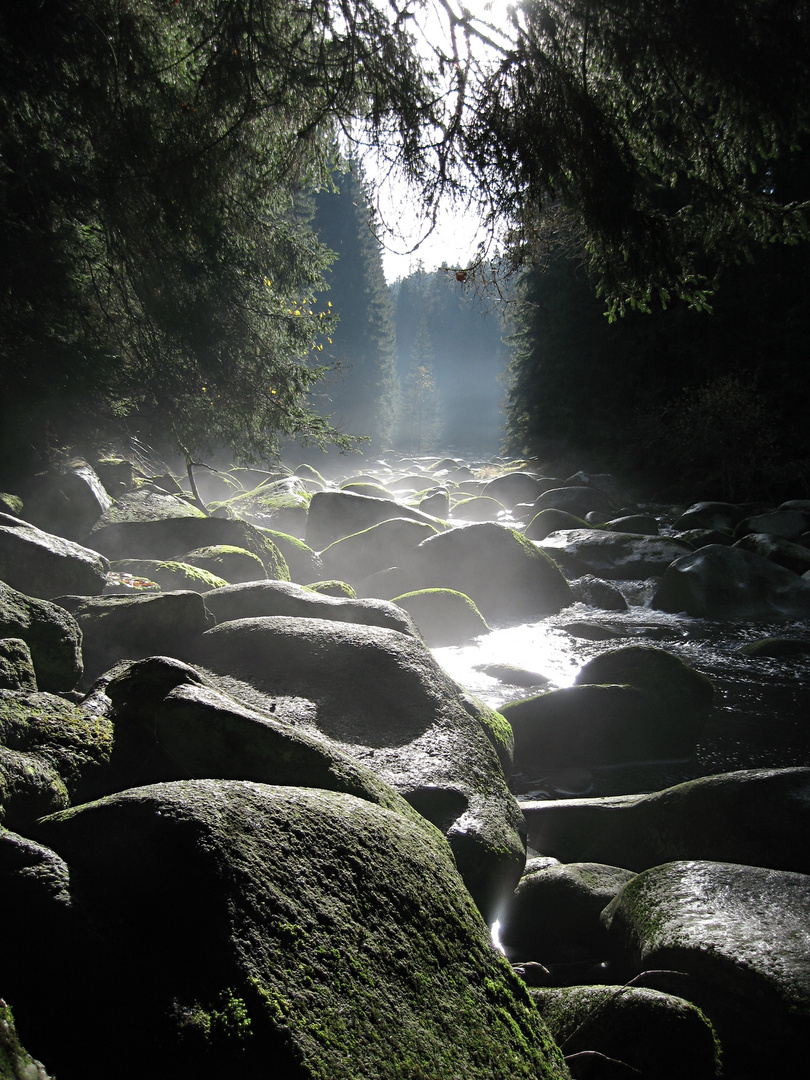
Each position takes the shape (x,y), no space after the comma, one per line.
(612,555)
(42,565)
(444,616)
(514,487)
(130,627)
(554,915)
(504,574)
(380,696)
(335,514)
(577,499)
(355,557)
(735,940)
(67,501)
(51,751)
(792,556)
(214,928)
(755,816)
(256,599)
(718,582)
(51,633)
(611,1032)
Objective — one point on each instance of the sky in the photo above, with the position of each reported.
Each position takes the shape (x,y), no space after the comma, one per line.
(457,233)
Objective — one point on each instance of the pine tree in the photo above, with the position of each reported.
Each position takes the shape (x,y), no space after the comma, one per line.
(420,420)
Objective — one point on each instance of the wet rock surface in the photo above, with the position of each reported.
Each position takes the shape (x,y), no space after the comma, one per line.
(271,790)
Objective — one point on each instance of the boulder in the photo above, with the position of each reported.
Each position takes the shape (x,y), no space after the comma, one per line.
(577,499)
(638,524)
(514,487)
(234,564)
(160,499)
(553,916)
(380,696)
(355,557)
(436,503)
(444,616)
(303,563)
(597,593)
(42,565)
(776,647)
(755,816)
(718,582)
(549,521)
(611,555)
(795,557)
(476,508)
(504,575)
(597,725)
(16,666)
(130,627)
(623,1031)
(50,752)
(735,940)
(711,515)
(167,538)
(217,928)
(169,575)
(15,1061)
(256,599)
(51,634)
(335,514)
(68,501)
(784,524)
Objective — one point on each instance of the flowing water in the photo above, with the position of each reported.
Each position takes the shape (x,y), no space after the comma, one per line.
(761,715)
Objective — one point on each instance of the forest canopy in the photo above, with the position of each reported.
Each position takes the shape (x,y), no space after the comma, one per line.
(161,273)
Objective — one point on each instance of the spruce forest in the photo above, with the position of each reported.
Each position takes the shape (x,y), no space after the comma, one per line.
(192,257)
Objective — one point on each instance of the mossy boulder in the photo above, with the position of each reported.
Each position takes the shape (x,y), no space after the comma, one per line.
(303,563)
(711,515)
(51,634)
(170,575)
(612,555)
(379,695)
(50,752)
(332,587)
(755,816)
(335,514)
(549,521)
(475,508)
(732,939)
(597,593)
(553,916)
(226,561)
(67,501)
(16,666)
(167,539)
(444,616)
(146,503)
(256,599)
(718,582)
(130,627)
(15,1061)
(577,499)
(504,575)
(42,565)
(793,556)
(514,487)
(218,926)
(613,1032)
(355,557)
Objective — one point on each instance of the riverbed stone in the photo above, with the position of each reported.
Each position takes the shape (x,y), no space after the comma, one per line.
(380,696)
(785,524)
(597,593)
(549,521)
(612,555)
(50,750)
(514,487)
(793,556)
(588,726)
(234,564)
(718,582)
(67,501)
(51,634)
(355,557)
(475,508)
(169,575)
(130,627)
(711,515)
(733,939)
(221,925)
(553,916)
(577,499)
(303,563)
(16,666)
(504,574)
(755,816)
(43,565)
(444,616)
(335,514)
(256,599)
(634,1030)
